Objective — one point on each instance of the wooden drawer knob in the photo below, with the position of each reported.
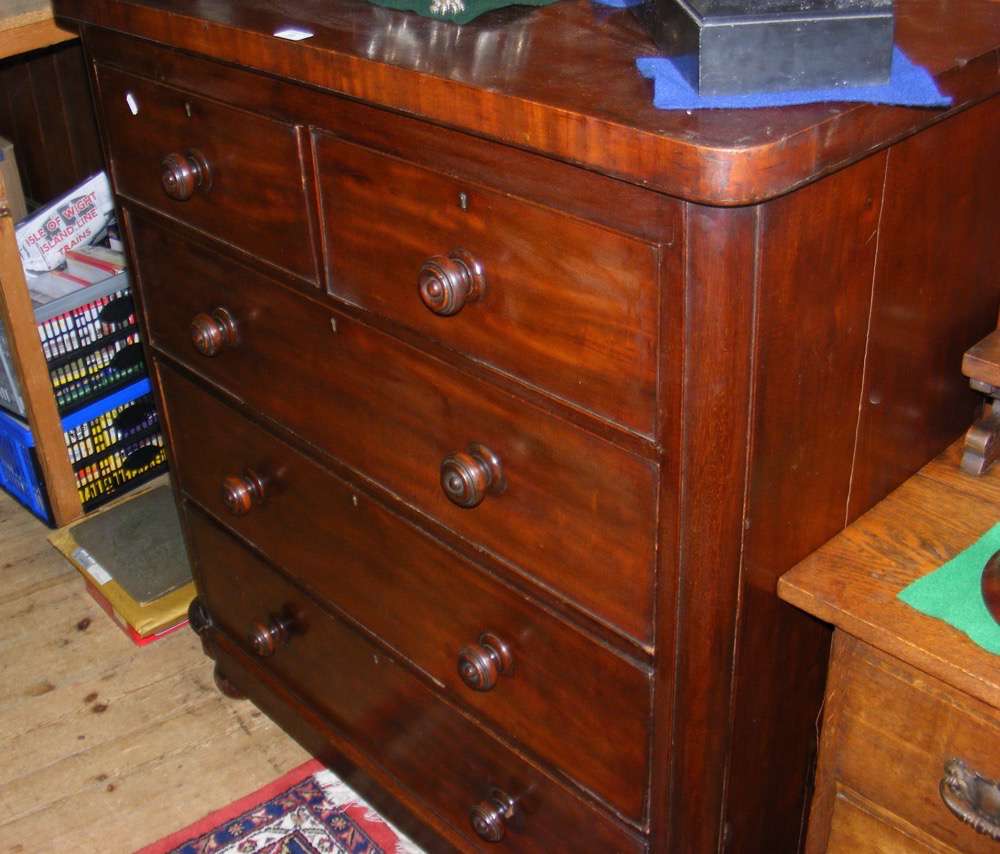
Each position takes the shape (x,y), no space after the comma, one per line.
(182,174)
(266,637)
(243,492)
(972,797)
(489,817)
(448,282)
(481,664)
(211,332)
(198,617)
(467,477)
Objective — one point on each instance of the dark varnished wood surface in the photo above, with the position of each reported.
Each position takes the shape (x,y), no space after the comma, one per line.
(420,598)
(497,77)
(47,112)
(386,711)
(910,415)
(580,192)
(255,197)
(574,313)
(811,369)
(769,318)
(574,505)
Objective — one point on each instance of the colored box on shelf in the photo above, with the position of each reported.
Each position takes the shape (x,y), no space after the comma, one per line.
(114,443)
(90,340)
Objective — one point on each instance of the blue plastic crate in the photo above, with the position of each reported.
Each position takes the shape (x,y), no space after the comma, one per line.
(113,444)
(20,474)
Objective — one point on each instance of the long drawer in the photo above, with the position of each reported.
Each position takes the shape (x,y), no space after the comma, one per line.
(424,600)
(458,770)
(568,305)
(562,505)
(231,173)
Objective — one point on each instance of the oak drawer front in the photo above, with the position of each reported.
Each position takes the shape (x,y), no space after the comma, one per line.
(421,598)
(575,512)
(241,173)
(562,303)
(896,728)
(386,710)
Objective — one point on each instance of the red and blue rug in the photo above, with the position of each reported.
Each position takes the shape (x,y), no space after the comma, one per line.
(308,811)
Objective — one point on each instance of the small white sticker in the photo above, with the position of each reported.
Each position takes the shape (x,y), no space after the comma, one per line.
(133,104)
(293,34)
(91,566)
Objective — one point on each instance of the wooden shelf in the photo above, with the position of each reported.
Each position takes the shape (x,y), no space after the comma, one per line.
(18,318)
(30,26)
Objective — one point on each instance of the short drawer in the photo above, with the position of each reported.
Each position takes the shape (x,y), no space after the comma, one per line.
(558,503)
(387,712)
(437,609)
(562,303)
(229,173)
(890,730)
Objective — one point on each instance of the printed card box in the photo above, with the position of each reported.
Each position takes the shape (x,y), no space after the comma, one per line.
(76,219)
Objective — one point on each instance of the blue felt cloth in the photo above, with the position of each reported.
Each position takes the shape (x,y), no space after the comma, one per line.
(909,85)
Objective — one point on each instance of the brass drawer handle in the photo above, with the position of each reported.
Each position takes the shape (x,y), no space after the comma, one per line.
(467,477)
(972,797)
(447,283)
(182,174)
(213,331)
(481,664)
(489,816)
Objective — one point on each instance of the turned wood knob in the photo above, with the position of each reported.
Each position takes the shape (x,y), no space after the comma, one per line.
(481,664)
(211,332)
(467,477)
(448,282)
(265,638)
(198,617)
(991,586)
(489,817)
(243,492)
(182,174)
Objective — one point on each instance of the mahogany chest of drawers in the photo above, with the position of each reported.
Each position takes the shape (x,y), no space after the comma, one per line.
(498,400)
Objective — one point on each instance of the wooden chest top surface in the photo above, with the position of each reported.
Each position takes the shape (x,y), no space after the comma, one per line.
(561,80)
(853,580)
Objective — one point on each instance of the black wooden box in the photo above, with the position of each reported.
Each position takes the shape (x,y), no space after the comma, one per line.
(734,46)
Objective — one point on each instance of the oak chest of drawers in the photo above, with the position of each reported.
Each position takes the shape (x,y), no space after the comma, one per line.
(499,400)
(910,757)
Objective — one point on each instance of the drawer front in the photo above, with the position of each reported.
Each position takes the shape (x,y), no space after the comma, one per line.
(244,179)
(896,728)
(574,511)
(423,742)
(564,304)
(421,598)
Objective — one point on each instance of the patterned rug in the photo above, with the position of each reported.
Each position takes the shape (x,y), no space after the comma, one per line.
(308,811)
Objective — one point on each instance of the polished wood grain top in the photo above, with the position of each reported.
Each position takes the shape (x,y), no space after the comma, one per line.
(561,80)
(853,580)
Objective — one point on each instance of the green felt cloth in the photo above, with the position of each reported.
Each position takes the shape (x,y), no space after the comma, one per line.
(953,593)
(446,10)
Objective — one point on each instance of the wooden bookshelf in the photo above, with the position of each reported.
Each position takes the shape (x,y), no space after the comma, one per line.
(18,319)
(28,25)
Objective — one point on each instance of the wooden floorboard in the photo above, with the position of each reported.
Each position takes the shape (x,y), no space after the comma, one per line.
(107,747)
